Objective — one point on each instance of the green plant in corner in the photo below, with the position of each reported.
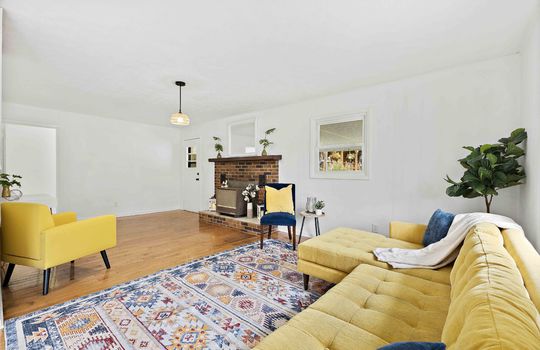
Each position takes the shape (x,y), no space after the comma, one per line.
(265,142)
(489,168)
(7,181)
(218,146)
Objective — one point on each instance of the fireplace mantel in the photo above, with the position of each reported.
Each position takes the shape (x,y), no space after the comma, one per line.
(249,158)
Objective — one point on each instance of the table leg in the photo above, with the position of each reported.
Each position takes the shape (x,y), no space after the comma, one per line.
(294,237)
(317,227)
(301,229)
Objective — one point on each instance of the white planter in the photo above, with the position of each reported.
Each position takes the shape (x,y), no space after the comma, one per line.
(250,210)
(318,211)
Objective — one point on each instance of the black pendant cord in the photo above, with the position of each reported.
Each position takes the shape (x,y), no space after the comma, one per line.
(180,98)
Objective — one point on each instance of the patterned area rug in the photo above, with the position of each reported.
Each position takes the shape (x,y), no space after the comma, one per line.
(229,300)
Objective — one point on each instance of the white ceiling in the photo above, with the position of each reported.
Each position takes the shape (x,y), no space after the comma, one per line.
(119,58)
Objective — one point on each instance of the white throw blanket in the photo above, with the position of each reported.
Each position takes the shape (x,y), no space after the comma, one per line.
(445,251)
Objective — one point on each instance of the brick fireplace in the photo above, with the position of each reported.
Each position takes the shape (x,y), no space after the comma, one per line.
(252,169)
(246,168)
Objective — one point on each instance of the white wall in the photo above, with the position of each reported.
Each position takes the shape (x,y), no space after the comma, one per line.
(530,109)
(109,166)
(417,127)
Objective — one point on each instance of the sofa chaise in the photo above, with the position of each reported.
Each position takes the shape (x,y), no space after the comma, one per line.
(488,299)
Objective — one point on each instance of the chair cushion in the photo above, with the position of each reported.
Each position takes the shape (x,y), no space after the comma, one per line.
(279,200)
(284,219)
(370,308)
(343,249)
(437,227)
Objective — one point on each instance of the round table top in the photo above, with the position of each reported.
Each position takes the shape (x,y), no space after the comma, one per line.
(311,215)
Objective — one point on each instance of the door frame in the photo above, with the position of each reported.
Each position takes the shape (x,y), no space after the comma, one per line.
(185,168)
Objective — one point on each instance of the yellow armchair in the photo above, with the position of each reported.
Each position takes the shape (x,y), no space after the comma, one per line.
(31,236)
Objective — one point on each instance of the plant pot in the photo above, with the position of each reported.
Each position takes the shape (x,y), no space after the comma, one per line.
(219,155)
(6,192)
(264,153)
(318,211)
(250,210)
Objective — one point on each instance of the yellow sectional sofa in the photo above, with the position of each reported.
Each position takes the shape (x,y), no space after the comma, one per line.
(488,299)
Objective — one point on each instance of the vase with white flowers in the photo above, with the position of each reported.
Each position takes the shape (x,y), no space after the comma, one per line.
(250,193)
(319,205)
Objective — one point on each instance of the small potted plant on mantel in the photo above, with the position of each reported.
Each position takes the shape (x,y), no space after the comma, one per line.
(265,142)
(218,146)
(7,181)
(319,205)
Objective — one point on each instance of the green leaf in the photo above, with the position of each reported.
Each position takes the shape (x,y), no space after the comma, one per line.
(478,187)
(514,150)
(484,173)
(492,158)
(485,147)
(519,135)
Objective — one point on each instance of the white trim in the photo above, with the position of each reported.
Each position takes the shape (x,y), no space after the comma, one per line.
(253,120)
(315,126)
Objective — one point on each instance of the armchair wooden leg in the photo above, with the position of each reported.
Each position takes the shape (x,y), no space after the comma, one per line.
(294,237)
(262,237)
(269,231)
(105,259)
(289,231)
(306,281)
(46,279)
(9,272)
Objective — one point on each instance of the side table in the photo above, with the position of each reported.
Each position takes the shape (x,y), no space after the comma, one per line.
(305,215)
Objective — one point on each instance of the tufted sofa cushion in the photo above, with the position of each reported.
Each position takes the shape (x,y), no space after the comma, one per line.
(343,249)
(370,308)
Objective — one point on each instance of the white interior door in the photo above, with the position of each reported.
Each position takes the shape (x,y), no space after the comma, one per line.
(191,184)
(31,152)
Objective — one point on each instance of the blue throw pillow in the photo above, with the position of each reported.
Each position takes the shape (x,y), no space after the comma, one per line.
(413,345)
(437,227)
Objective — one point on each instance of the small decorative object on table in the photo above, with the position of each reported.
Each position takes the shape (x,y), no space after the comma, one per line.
(310,204)
(319,205)
(218,146)
(250,193)
(212,203)
(7,181)
(265,142)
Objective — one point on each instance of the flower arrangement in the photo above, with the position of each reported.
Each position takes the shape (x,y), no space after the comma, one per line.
(250,192)
(265,142)
(218,146)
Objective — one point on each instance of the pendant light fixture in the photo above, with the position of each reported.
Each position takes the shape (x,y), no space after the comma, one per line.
(180,118)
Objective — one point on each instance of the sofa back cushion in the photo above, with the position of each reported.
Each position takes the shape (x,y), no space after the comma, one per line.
(490,306)
(527,260)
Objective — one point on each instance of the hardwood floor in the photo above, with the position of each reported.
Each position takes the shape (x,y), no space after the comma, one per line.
(146,244)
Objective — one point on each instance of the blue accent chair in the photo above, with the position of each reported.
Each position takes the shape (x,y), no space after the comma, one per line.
(280,219)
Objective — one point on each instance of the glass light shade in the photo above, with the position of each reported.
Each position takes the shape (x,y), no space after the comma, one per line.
(179,119)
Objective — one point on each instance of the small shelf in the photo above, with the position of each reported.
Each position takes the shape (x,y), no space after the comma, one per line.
(248,158)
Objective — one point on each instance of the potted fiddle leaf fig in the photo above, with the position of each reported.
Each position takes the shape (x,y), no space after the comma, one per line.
(265,142)
(218,146)
(7,181)
(490,168)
